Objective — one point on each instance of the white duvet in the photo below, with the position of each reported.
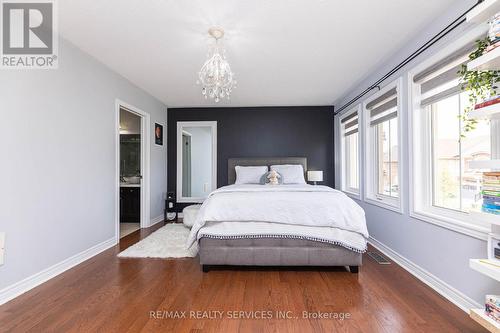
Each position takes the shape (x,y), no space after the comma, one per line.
(317,213)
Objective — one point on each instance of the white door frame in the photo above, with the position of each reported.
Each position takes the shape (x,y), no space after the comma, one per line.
(145,165)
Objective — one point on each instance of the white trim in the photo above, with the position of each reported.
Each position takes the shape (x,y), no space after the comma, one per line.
(384,204)
(180,130)
(369,189)
(455,221)
(352,192)
(37,279)
(158,219)
(353,195)
(145,165)
(337,153)
(477,231)
(453,295)
(362,161)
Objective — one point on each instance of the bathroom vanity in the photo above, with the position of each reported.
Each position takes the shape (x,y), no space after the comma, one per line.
(130,203)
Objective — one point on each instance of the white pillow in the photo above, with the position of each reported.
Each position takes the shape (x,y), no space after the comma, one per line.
(291,173)
(249,174)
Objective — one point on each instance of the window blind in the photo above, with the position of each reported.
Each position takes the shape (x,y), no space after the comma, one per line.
(441,80)
(384,107)
(350,124)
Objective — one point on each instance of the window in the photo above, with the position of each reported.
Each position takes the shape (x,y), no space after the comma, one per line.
(387,157)
(454,184)
(350,152)
(445,186)
(383,147)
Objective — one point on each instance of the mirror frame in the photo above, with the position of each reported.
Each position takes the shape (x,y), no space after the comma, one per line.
(180,126)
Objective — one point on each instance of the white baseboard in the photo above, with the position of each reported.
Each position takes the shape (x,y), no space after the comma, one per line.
(158,219)
(455,296)
(35,280)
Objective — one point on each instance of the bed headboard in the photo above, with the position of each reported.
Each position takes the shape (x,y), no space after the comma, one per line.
(259,161)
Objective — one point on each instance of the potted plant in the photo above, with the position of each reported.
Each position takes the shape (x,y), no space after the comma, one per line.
(481,84)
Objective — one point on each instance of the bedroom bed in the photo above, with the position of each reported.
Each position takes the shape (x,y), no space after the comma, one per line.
(278,225)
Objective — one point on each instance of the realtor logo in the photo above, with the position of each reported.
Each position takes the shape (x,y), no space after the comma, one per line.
(29,37)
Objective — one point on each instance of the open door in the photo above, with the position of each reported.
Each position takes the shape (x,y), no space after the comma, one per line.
(132,147)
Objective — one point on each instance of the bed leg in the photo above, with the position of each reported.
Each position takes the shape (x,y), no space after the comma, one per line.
(205,268)
(354,269)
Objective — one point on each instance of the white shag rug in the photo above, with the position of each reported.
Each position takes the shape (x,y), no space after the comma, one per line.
(166,242)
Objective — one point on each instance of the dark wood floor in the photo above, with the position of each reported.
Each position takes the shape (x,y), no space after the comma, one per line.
(108,294)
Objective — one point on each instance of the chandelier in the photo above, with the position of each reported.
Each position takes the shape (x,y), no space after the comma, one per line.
(215,76)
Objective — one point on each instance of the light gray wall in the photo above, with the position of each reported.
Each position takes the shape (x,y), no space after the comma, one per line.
(442,252)
(57,139)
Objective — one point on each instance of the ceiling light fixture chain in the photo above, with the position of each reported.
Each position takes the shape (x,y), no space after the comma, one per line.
(215,76)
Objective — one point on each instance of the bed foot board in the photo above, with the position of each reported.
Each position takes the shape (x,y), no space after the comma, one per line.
(352,269)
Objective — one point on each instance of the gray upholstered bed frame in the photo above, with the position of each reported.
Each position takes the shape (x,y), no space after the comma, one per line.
(273,251)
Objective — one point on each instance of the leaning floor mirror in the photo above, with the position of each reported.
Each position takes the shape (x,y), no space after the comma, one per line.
(196,160)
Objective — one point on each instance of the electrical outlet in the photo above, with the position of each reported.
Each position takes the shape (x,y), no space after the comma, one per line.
(2,247)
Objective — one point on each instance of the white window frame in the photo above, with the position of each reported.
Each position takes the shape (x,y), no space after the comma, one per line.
(355,193)
(371,194)
(420,156)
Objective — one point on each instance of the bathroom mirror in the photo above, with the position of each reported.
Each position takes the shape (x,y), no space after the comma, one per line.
(196,160)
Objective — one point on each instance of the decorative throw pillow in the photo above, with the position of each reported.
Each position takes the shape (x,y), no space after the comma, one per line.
(268,178)
(291,173)
(250,174)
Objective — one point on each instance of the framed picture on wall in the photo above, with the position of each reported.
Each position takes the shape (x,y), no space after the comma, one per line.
(159,134)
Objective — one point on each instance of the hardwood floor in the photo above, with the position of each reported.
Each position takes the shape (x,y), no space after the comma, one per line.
(108,294)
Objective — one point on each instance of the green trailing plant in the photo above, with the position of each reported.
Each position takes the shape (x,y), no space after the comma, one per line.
(479,84)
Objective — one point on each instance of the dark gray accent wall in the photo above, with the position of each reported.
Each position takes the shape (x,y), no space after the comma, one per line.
(261,132)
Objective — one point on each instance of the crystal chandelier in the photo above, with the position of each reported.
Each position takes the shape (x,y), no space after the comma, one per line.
(215,76)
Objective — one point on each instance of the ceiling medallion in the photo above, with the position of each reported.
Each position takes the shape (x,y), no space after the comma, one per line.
(215,76)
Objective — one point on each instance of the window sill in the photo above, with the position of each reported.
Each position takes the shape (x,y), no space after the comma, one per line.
(385,204)
(477,230)
(352,194)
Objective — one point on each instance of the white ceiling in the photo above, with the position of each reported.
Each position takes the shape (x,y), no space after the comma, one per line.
(283,52)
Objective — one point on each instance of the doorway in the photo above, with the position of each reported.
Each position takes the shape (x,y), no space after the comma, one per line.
(132,170)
